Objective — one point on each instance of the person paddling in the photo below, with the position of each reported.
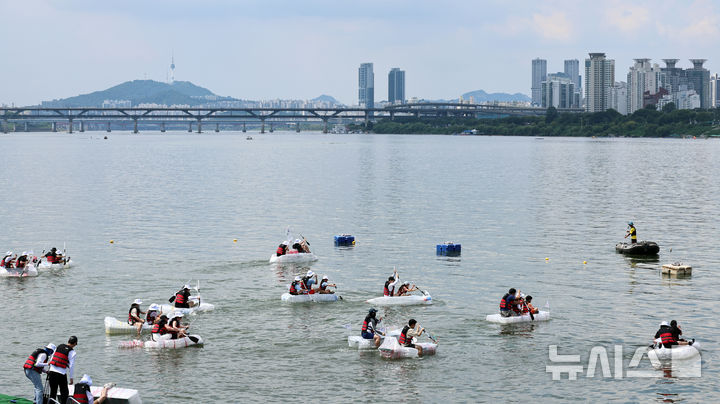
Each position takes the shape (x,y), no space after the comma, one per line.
(632,233)
(309,280)
(281,250)
(35,365)
(297,287)
(51,257)
(175,327)
(668,336)
(406,288)
(159,330)
(369,330)
(134,315)
(152,314)
(410,331)
(508,304)
(389,289)
(182,298)
(83,395)
(528,307)
(324,285)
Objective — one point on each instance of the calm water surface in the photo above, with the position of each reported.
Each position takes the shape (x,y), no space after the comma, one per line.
(174,203)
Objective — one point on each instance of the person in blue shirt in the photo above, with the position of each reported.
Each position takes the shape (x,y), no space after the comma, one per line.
(369,330)
(507,303)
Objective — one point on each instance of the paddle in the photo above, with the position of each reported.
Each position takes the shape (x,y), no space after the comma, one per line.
(430,336)
(532,317)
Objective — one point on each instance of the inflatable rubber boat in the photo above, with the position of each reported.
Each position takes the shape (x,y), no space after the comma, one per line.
(315,297)
(44,265)
(356,341)
(202,307)
(293,258)
(639,248)
(676,353)
(28,271)
(391,349)
(165,343)
(497,318)
(115,326)
(408,300)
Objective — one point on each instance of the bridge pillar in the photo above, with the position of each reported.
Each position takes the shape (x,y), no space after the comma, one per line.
(4,125)
(325,125)
(108,127)
(135,129)
(271,128)
(162,127)
(244,130)
(392,115)
(82,126)
(70,125)
(367,119)
(199,126)
(26,127)
(190,127)
(54,126)
(262,126)
(217,127)
(297,127)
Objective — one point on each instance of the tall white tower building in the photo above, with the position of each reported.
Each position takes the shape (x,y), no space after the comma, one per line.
(599,80)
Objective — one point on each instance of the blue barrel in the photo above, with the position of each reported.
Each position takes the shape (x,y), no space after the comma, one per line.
(344,240)
(448,249)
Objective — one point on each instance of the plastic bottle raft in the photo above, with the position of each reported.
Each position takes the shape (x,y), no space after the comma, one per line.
(497,318)
(677,268)
(344,240)
(448,249)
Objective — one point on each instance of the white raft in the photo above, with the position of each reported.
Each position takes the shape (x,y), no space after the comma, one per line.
(676,353)
(115,326)
(165,343)
(357,341)
(391,349)
(315,297)
(408,300)
(44,265)
(28,271)
(293,258)
(115,395)
(169,308)
(497,318)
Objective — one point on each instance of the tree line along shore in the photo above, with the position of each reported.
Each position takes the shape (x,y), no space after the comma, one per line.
(647,122)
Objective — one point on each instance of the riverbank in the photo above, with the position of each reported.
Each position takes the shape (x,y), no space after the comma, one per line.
(643,123)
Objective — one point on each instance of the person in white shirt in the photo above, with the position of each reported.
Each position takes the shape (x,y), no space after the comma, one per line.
(62,365)
(389,289)
(35,365)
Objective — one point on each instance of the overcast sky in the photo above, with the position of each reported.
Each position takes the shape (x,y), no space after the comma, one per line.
(300,49)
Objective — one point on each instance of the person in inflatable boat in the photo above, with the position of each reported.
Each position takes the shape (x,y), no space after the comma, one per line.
(509,303)
(369,327)
(406,288)
(669,336)
(632,233)
(410,331)
(83,395)
(324,285)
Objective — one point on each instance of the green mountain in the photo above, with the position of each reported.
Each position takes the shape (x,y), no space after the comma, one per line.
(140,92)
(482,96)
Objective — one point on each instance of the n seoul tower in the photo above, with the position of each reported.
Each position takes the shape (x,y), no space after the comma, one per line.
(172,68)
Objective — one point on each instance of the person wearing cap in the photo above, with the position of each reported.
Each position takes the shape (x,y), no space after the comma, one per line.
(297,247)
(405,289)
(175,327)
(7,260)
(134,315)
(35,365)
(152,313)
(369,330)
(669,335)
(21,260)
(62,365)
(159,330)
(308,280)
(182,298)
(51,257)
(410,331)
(389,289)
(324,285)
(83,395)
(632,233)
(297,287)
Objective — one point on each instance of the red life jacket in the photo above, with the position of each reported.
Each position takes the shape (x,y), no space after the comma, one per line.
(61,358)
(667,337)
(180,297)
(131,320)
(151,316)
(159,329)
(280,251)
(293,289)
(403,339)
(366,322)
(51,259)
(30,362)
(386,290)
(503,302)
(80,393)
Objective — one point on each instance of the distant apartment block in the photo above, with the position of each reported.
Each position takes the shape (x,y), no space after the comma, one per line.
(599,80)
(619,97)
(715,90)
(643,77)
(572,69)
(539,74)
(396,86)
(366,86)
(558,91)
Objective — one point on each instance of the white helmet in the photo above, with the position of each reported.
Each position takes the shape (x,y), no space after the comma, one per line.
(24,253)
(664,324)
(297,279)
(154,306)
(310,273)
(86,379)
(186,287)
(137,301)
(9,253)
(325,277)
(51,346)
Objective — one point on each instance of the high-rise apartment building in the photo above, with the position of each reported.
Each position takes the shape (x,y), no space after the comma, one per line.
(715,90)
(699,80)
(366,85)
(559,91)
(644,77)
(599,79)
(396,86)
(572,69)
(619,97)
(539,74)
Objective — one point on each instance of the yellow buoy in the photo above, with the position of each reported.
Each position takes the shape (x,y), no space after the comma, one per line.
(353,242)
(112,241)
(584,262)
(547,258)
(234,240)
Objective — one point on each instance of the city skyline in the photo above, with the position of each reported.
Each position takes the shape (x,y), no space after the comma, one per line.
(299,51)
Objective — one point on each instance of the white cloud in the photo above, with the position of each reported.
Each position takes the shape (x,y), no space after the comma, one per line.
(555,26)
(628,18)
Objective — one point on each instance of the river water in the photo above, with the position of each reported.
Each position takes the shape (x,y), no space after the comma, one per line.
(173,204)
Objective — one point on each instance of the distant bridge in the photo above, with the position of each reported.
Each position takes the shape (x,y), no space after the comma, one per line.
(217,115)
